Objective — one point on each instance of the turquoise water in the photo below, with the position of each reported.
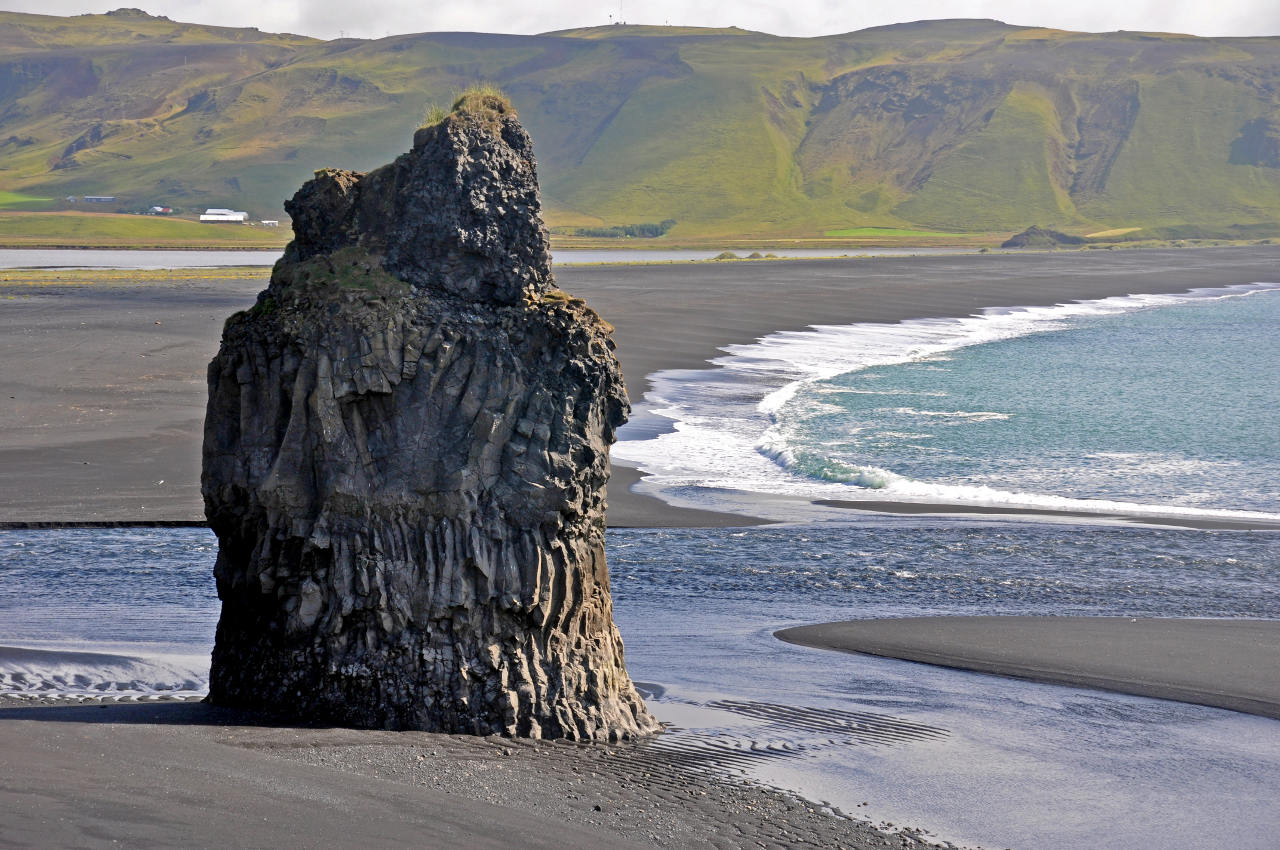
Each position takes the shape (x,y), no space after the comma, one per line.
(1161,405)
(1177,404)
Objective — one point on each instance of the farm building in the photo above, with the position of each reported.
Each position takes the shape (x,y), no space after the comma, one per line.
(224,215)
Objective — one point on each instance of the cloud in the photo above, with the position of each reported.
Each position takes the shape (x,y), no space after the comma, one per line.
(378,18)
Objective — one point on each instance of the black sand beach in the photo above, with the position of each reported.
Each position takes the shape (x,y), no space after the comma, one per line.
(185,774)
(1232,664)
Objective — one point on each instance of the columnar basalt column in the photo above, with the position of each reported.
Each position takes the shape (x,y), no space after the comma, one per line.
(405,457)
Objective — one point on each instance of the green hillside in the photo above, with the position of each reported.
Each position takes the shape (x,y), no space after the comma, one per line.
(943,126)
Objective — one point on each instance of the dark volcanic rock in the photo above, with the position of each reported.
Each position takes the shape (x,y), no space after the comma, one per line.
(1042,237)
(458,213)
(405,457)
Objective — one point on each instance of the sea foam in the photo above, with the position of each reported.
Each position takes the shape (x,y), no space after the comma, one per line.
(727,424)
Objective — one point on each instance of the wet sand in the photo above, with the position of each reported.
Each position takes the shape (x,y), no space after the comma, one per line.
(1232,664)
(628,509)
(185,774)
(102,386)
(926,508)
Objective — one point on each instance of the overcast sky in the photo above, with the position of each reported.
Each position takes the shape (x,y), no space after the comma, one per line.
(378,18)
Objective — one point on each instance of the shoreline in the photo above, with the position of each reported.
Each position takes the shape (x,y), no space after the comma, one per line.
(884,506)
(629,509)
(39,525)
(1229,664)
(637,510)
(103,387)
(991,242)
(185,247)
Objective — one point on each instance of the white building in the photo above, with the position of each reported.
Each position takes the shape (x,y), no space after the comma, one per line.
(224,215)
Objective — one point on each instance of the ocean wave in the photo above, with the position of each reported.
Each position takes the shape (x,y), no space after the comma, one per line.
(886,392)
(875,484)
(823,468)
(58,673)
(909,491)
(973,416)
(729,433)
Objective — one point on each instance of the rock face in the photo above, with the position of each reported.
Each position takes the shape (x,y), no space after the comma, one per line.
(405,456)
(1042,237)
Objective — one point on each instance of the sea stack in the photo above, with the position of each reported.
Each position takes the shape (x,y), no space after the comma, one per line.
(405,458)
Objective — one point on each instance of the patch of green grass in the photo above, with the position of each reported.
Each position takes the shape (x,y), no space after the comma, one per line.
(877,232)
(1175,232)
(482,97)
(434,114)
(644,230)
(109,230)
(1002,176)
(484,101)
(19,201)
(348,269)
(1176,166)
(1111,232)
(714,123)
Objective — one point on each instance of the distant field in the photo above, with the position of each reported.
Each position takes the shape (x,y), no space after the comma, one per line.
(12,278)
(894,232)
(112,230)
(1107,234)
(106,230)
(19,201)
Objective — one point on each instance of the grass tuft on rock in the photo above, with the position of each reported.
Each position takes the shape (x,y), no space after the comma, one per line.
(482,98)
(434,114)
(483,102)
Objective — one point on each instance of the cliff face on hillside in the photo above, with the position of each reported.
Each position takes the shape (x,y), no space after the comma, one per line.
(405,457)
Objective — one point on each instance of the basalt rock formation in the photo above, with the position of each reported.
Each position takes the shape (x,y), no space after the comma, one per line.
(405,456)
(1042,237)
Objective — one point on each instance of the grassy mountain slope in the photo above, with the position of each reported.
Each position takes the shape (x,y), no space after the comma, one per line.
(956,126)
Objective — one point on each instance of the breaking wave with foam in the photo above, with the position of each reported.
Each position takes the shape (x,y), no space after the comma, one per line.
(820,414)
